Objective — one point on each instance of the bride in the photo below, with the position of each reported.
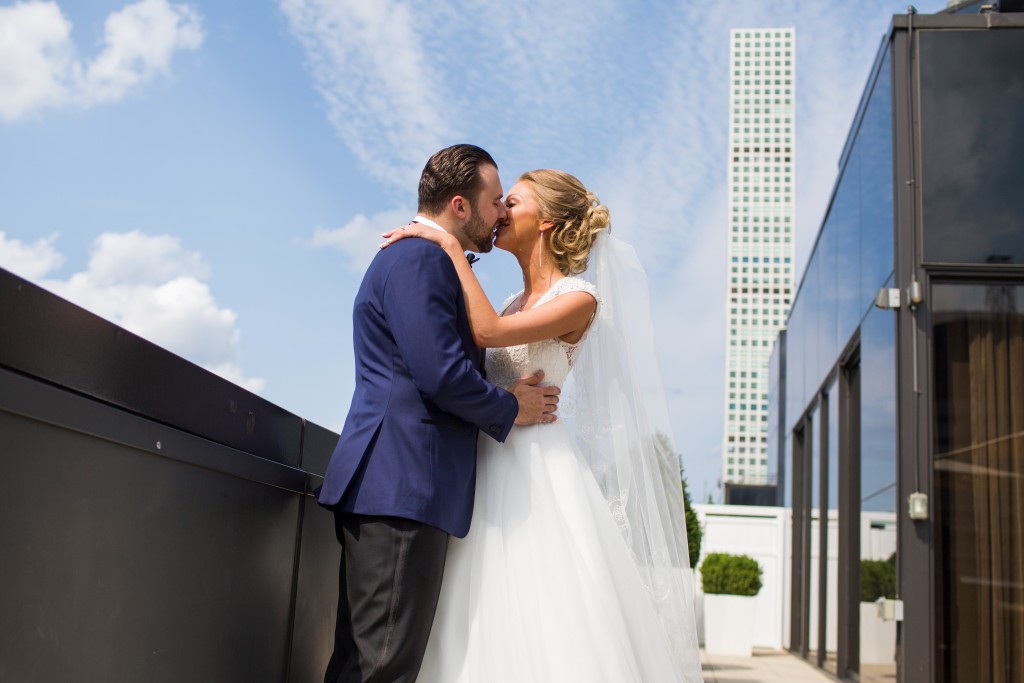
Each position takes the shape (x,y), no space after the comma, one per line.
(575,567)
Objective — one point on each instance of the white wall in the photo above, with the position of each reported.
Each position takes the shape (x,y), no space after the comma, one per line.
(763,534)
(877,535)
(832,567)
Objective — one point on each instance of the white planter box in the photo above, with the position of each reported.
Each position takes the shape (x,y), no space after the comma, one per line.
(729,625)
(877,637)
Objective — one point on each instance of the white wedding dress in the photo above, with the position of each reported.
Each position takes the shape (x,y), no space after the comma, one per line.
(543,588)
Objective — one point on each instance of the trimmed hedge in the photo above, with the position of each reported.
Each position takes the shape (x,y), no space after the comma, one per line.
(722,573)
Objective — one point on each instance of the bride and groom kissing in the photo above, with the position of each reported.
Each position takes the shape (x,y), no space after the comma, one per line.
(484,540)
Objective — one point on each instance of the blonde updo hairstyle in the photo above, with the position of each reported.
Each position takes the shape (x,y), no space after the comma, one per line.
(578,216)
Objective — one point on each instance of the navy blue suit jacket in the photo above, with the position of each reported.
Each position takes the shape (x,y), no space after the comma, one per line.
(408,448)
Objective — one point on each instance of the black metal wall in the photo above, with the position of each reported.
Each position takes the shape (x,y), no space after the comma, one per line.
(155,519)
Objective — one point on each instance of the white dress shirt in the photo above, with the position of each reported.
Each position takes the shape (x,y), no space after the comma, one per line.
(427,222)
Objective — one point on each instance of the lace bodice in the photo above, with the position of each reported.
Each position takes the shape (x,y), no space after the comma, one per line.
(555,357)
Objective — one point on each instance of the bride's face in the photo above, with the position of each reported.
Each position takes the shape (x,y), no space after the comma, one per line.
(521,230)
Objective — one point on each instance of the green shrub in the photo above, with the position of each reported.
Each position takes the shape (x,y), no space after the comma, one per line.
(877,579)
(722,573)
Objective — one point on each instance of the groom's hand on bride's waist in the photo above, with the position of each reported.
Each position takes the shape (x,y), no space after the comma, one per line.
(537,404)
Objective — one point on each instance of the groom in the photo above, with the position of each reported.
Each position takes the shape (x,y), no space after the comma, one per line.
(402,477)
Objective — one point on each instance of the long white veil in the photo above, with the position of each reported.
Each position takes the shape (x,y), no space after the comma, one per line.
(614,402)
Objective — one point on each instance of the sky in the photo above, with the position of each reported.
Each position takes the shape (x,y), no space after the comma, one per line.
(214,175)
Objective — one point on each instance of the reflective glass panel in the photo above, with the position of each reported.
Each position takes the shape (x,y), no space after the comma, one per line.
(978,376)
(811,295)
(796,342)
(813,451)
(877,530)
(828,303)
(852,257)
(873,151)
(787,489)
(844,224)
(972,145)
(831,583)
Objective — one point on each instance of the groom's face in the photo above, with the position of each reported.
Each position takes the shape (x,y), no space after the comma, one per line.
(487,211)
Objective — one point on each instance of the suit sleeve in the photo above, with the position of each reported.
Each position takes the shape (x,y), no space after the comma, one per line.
(420,305)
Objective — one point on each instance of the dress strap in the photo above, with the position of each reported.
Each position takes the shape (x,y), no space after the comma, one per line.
(565,286)
(570,284)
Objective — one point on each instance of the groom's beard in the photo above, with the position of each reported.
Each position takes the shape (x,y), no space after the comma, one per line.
(479,233)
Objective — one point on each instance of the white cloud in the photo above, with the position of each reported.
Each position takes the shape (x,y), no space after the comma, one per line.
(30,261)
(360,238)
(39,68)
(233,373)
(150,286)
(36,58)
(138,44)
(134,257)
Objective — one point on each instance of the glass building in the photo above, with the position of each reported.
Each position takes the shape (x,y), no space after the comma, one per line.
(896,409)
(762,162)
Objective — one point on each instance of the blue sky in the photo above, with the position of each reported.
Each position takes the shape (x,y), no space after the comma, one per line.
(214,175)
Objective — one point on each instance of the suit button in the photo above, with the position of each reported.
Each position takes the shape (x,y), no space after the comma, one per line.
(495,429)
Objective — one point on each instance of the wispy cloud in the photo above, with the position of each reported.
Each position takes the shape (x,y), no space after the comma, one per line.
(39,68)
(147,284)
(633,101)
(359,238)
(383,94)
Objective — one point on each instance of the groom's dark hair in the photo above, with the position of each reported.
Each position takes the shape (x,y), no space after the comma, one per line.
(453,171)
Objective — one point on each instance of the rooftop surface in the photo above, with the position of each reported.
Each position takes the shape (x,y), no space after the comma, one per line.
(766,666)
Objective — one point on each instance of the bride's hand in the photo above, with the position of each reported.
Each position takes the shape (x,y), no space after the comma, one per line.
(439,237)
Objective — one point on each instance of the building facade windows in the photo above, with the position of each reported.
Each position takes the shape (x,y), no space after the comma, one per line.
(756,171)
(870,406)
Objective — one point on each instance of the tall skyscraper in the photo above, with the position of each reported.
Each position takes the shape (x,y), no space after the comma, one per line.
(762,156)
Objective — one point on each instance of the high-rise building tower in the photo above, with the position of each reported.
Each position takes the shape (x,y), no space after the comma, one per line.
(762,156)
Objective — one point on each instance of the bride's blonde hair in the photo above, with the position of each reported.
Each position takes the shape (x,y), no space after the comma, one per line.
(578,217)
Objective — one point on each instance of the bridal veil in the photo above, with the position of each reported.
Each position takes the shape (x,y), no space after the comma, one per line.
(615,404)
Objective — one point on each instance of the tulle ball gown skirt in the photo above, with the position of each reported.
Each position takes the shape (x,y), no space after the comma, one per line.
(543,588)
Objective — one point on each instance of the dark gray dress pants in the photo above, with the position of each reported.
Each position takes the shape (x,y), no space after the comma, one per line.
(390,579)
